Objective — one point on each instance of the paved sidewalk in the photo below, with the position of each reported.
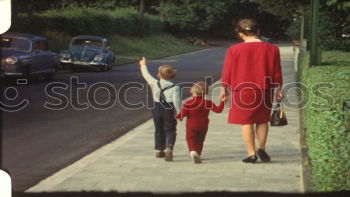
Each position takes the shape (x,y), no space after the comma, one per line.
(128,163)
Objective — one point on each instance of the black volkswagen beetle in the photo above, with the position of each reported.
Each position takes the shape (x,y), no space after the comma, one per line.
(90,51)
(27,55)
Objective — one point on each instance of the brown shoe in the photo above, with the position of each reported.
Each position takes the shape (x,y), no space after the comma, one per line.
(160,154)
(168,155)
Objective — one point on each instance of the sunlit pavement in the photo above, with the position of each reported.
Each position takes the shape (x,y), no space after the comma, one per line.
(129,163)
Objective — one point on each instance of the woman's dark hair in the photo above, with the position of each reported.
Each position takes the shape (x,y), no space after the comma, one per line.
(247,26)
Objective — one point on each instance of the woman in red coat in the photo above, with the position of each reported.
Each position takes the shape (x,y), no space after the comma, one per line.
(251,70)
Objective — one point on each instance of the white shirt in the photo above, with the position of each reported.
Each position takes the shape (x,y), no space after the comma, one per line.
(171,94)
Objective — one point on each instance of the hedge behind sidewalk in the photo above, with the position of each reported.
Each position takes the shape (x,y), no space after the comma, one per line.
(327,136)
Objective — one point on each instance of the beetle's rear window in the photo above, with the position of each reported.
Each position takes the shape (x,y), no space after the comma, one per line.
(14,43)
(87,42)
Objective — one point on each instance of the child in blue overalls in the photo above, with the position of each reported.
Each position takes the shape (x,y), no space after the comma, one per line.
(167,103)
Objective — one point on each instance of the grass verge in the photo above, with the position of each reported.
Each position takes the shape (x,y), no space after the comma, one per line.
(328,133)
(130,48)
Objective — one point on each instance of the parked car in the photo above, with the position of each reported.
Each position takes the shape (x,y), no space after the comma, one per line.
(88,51)
(27,55)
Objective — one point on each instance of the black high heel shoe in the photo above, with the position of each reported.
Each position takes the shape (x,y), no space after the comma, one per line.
(250,159)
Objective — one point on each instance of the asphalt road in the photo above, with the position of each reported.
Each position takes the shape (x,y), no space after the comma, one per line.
(38,141)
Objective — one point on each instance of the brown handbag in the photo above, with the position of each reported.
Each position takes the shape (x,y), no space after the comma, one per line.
(278,117)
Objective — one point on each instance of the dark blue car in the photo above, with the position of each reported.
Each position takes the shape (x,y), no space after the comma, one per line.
(27,55)
(88,51)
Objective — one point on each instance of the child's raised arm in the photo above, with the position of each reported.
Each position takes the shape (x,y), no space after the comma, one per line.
(148,77)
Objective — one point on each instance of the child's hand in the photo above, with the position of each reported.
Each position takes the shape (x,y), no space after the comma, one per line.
(178,117)
(224,99)
(142,61)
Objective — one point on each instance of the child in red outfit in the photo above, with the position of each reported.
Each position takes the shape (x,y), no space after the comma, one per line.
(197,111)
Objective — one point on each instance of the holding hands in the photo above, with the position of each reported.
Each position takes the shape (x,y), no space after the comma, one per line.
(223,95)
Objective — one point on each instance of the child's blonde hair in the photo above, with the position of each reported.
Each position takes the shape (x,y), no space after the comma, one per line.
(167,71)
(199,88)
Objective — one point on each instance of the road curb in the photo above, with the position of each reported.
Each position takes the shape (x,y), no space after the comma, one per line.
(180,53)
(306,175)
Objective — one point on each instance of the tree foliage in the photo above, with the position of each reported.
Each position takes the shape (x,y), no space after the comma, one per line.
(283,8)
(33,6)
(193,15)
(334,19)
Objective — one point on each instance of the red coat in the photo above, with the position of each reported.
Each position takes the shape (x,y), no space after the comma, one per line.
(197,111)
(252,64)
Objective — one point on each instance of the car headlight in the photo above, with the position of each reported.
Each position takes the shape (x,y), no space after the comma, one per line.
(65,55)
(98,58)
(11,60)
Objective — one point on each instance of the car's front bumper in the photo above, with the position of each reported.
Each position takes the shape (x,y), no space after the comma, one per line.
(10,74)
(82,63)
(11,70)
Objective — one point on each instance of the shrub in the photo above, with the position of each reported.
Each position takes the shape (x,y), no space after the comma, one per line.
(327,135)
(57,40)
(75,21)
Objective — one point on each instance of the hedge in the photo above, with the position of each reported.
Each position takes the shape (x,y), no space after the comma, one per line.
(327,127)
(76,21)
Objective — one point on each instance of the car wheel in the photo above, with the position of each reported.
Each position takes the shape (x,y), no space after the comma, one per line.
(110,64)
(105,68)
(26,72)
(64,66)
(49,76)
(72,68)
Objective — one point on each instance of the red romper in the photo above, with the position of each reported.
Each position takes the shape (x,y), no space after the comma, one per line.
(251,71)
(197,111)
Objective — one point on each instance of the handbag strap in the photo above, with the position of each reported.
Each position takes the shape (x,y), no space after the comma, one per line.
(281,110)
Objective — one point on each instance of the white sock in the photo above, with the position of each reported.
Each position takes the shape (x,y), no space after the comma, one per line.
(193,154)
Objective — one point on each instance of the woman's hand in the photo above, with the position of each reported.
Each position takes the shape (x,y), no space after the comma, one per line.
(142,61)
(223,95)
(279,95)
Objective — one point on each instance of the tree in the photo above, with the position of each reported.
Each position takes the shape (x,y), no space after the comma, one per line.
(285,9)
(142,9)
(32,6)
(193,15)
(334,18)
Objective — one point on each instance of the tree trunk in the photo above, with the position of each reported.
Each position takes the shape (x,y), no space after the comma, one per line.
(141,17)
(142,9)
(161,14)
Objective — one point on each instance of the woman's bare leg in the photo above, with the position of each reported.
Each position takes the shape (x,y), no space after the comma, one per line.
(261,134)
(249,138)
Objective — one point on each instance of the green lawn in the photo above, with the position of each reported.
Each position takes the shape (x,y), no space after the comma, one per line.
(338,58)
(130,48)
